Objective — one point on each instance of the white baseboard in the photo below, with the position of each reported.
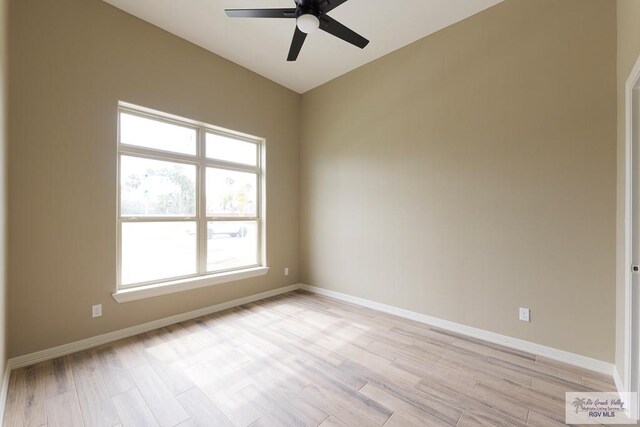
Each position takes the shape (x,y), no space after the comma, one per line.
(618,380)
(515,343)
(627,397)
(51,353)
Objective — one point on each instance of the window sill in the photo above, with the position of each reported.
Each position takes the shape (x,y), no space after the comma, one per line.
(142,292)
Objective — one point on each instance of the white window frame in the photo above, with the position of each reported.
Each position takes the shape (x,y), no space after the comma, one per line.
(202,277)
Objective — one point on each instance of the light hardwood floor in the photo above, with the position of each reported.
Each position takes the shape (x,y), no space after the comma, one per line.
(296,359)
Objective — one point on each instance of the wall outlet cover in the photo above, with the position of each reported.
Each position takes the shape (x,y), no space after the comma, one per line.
(96,310)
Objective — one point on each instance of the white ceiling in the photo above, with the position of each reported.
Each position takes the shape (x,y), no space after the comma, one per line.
(262,45)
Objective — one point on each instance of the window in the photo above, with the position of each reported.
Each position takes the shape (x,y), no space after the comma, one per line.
(189,200)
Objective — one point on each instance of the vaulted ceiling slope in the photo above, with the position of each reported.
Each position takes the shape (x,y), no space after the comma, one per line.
(261,45)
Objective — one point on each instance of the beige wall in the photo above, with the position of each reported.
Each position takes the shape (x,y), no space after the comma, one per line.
(3,183)
(473,172)
(628,52)
(70,63)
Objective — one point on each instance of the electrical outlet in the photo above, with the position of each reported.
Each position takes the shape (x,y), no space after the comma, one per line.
(524,314)
(286,271)
(96,310)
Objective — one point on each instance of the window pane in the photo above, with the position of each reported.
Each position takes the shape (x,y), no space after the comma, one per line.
(149,133)
(157,250)
(231,193)
(231,244)
(231,150)
(156,188)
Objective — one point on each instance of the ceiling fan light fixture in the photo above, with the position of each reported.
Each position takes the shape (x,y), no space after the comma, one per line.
(308,23)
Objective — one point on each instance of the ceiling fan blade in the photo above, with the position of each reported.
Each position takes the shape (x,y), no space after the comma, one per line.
(261,13)
(296,44)
(335,28)
(332,4)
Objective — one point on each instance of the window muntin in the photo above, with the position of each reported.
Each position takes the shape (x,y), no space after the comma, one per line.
(183,216)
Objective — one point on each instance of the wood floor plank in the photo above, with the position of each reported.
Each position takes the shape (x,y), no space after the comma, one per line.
(172,377)
(271,413)
(325,391)
(436,407)
(35,409)
(535,399)
(503,402)
(274,371)
(130,352)
(405,412)
(398,419)
(538,420)
(599,384)
(391,351)
(306,363)
(575,369)
(382,367)
(95,402)
(58,376)
(239,410)
(535,369)
(437,371)
(201,409)
(285,407)
(133,410)
(332,421)
(27,407)
(160,400)
(480,368)
(164,360)
(63,410)
(485,420)
(308,347)
(475,402)
(492,350)
(115,375)
(347,408)
(180,341)
(14,404)
(558,390)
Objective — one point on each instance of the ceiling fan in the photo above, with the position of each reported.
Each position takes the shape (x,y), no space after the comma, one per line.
(310,15)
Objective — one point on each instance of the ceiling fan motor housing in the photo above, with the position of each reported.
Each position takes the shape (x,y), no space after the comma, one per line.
(311,6)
